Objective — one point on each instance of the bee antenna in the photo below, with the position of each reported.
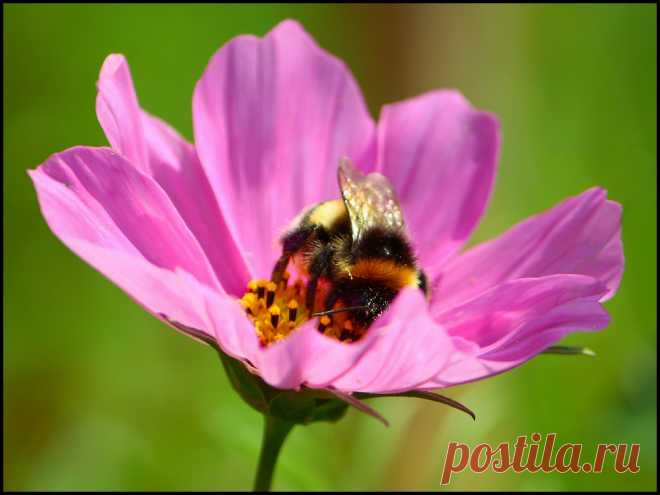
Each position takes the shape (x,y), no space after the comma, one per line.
(338,310)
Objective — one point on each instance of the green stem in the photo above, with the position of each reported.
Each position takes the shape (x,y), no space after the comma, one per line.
(275,432)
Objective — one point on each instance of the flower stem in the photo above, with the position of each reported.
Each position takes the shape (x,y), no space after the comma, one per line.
(275,432)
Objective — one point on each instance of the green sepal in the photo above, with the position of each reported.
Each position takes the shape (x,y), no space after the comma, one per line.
(423,394)
(300,407)
(330,410)
(295,407)
(250,387)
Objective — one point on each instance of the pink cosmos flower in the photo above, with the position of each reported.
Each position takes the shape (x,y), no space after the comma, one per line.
(183,229)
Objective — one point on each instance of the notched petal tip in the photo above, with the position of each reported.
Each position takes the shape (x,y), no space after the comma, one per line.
(289,25)
(441,154)
(314,103)
(112,64)
(488,122)
(580,235)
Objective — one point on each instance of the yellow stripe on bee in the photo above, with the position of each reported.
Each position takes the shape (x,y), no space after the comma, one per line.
(328,213)
(385,271)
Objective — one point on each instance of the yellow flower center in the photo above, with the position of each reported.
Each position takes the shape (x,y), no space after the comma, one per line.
(278,309)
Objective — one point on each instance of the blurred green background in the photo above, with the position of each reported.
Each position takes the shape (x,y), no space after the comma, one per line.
(100,395)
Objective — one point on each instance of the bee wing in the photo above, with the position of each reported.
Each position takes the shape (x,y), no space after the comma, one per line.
(370,200)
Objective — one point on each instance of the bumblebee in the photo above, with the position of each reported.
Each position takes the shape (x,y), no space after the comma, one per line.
(356,246)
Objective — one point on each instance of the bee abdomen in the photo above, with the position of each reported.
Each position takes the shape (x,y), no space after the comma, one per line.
(384,271)
(374,295)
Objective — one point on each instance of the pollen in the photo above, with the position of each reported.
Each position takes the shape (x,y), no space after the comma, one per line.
(276,310)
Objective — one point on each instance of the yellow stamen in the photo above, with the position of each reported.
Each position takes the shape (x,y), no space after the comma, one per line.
(274,315)
(261,288)
(271,288)
(276,310)
(293,309)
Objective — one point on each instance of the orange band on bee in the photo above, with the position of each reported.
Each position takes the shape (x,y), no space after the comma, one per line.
(385,271)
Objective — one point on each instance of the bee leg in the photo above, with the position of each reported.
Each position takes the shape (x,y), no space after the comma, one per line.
(318,268)
(332,298)
(423,283)
(310,297)
(280,267)
(291,243)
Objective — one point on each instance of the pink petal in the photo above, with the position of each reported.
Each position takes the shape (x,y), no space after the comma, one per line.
(78,216)
(95,195)
(171,296)
(225,319)
(119,113)
(157,150)
(306,357)
(272,117)
(406,349)
(581,235)
(441,155)
(511,323)
(401,350)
